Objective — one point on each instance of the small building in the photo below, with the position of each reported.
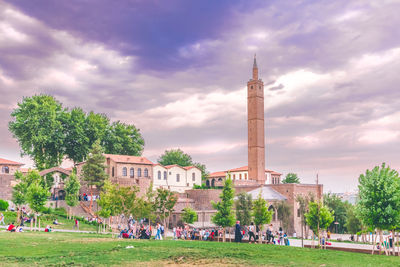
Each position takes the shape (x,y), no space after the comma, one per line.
(175,177)
(7,179)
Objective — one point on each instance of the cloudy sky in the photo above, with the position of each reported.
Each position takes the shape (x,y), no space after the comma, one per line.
(178,71)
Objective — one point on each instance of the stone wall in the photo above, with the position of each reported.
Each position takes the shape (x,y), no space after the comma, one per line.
(203,197)
(7,181)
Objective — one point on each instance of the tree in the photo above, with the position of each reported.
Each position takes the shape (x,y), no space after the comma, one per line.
(189,215)
(291,178)
(108,204)
(96,126)
(284,211)
(303,209)
(36,196)
(379,199)
(353,223)
(334,203)
(244,206)
(3,205)
(72,187)
(261,214)
(164,203)
(38,129)
(123,139)
(318,217)
(93,171)
(225,216)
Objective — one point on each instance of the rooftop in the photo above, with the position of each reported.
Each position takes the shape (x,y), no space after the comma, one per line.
(128,159)
(267,193)
(10,162)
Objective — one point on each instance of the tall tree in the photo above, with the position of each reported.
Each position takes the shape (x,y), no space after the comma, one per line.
(77,143)
(38,129)
(96,126)
(93,171)
(225,216)
(379,199)
(318,217)
(303,201)
(335,203)
(164,203)
(261,214)
(244,206)
(189,215)
(291,178)
(284,211)
(123,139)
(72,187)
(353,223)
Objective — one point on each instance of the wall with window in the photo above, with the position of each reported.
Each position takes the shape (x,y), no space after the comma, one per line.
(8,169)
(177,179)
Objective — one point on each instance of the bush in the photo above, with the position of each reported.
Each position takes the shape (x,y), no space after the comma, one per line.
(3,205)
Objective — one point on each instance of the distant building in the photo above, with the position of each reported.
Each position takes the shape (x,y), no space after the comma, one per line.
(7,179)
(175,177)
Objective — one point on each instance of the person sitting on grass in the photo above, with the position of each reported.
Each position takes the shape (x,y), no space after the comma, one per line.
(11,227)
(55,222)
(47,229)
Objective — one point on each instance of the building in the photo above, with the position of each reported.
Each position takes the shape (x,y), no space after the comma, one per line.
(240,176)
(175,177)
(7,179)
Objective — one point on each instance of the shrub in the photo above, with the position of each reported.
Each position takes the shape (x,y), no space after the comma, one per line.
(3,204)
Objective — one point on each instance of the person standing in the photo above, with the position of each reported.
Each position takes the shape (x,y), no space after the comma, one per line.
(251,232)
(238,233)
(76,224)
(2,219)
(158,233)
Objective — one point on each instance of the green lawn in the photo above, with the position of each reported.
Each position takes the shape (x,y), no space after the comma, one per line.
(94,250)
(47,219)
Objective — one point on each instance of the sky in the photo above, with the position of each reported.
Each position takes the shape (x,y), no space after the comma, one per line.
(178,70)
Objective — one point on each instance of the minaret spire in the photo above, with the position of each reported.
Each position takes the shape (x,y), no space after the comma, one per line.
(255,69)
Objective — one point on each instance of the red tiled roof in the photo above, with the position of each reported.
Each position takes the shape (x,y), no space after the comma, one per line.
(10,162)
(190,167)
(128,159)
(25,170)
(217,174)
(240,169)
(173,165)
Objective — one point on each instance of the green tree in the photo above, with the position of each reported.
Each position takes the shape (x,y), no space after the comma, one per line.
(37,195)
(72,187)
(244,206)
(96,126)
(225,216)
(335,203)
(108,203)
(291,178)
(261,214)
(19,190)
(353,223)
(379,199)
(37,127)
(123,139)
(93,171)
(164,203)
(189,215)
(284,211)
(3,205)
(303,201)
(318,217)
(76,143)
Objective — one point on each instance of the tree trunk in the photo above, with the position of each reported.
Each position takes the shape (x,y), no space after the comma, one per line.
(31,225)
(259,237)
(380,241)
(35,222)
(223,236)
(91,199)
(373,244)
(39,225)
(302,234)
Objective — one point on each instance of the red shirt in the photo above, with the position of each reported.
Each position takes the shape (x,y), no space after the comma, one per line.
(10,227)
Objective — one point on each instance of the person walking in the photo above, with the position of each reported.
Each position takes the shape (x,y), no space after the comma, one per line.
(158,233)
(76,224)
(251,232)
(2,219)
(238,232)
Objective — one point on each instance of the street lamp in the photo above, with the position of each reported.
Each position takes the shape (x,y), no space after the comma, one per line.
(336,224)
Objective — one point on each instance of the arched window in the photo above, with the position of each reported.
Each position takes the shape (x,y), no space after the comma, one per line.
(165,175)
(220,179)
(146,172)
(112,172)
(178,178)
(124,171)
(193,177)
(132,172)
(5,169)
(213,183)
(240,176)
(234,176)
(139,172)
(159,175)
(208,183)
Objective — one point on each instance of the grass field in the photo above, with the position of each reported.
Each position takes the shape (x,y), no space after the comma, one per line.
(59,249)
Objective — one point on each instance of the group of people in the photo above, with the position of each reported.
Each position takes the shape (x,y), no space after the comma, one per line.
(141,232)
(12,228)
(87,197)
(252,232)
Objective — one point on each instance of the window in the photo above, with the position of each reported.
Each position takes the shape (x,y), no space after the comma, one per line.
(159,175)
(245,176)
(112,172)
(234,176)
(165,175)
(193,177)
(240,176)
(251,87)
(124,171)
(298,212)
(178,178)
(169,173)
(5,169)
(146,172)
(139,172)
(132,172)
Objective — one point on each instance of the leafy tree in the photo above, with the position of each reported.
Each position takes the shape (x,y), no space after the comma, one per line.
(72,187)
(3,205)
(189,215)
(379,198)
(334,203)
(76,143)
(261,214)
(284,211)
(19,190)
(291,178)
(318,217)
(164,203)
(93,171)
(107,202)
(38,129)
(37,196)
(353,223)
(244,206)
(96,126)
(303,201)
(123,139)
(225,216)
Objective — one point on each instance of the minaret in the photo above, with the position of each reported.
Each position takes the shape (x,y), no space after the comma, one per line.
(255,127)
